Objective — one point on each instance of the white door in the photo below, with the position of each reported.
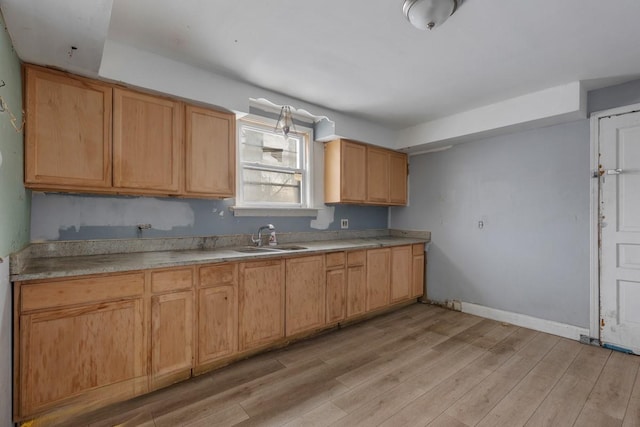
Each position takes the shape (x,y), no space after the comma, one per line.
(620,231)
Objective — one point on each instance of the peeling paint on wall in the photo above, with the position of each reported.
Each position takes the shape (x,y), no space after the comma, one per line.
(66,212)
(14,208)
(84,217)
(324,218)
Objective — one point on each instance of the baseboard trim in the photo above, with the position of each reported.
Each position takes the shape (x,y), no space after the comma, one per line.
(542,325)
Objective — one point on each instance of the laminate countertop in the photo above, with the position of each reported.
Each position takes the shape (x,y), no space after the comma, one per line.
(47,267)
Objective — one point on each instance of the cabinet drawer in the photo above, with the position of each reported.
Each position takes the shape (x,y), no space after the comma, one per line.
(215,275)
(36,296)
(418,249)
(335,259)
(355,258)
(171,280)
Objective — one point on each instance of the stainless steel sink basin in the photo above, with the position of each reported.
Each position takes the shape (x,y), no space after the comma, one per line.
(254,250)
(289,248)
(262,249)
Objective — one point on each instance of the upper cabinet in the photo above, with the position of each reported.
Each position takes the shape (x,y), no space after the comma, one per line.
(210,152)
(398,172)
(364,174)
(377,175)
(345,164)
(92,137)
(147,142)
(68,132)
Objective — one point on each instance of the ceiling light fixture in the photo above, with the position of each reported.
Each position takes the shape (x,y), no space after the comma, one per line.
(428,14)
(285,121)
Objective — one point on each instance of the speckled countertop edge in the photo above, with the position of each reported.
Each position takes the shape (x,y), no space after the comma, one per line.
(33,263)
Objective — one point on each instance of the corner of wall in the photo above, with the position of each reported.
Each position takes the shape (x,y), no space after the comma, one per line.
(14,206)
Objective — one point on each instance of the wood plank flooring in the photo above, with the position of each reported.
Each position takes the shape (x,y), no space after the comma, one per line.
(419,366)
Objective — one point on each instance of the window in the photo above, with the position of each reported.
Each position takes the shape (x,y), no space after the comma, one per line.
(273,169)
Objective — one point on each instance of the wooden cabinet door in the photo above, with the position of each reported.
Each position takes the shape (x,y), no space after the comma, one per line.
(336,307)
(356,283)
(418,271)
(97,348)
(397,178)
(68,131)
(210,152)
(261,303)
(336,288)
(353,172)
(401,273)
(217,323)
(364,174)
(305,294)
(147,143)
(171,337)
(356,290)
(377,175)
(378,278)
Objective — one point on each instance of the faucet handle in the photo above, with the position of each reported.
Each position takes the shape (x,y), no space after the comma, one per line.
(273,241)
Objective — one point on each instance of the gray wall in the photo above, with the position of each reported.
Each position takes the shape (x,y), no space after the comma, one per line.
(531,190)
(14,208)
(76,217)
(614,96)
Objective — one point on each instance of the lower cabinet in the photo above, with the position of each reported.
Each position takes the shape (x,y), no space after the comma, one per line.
(172,317)
(171,337)
(81,337)
(378,278)
(261,303)
(336,289)
(305,294)
(217,313)
(356,283)
(106,338)
(401,273)
(418,276)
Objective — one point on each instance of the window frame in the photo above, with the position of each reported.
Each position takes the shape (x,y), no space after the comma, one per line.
(245,208)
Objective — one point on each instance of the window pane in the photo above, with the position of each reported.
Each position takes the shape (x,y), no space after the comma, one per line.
(271,187)
(259,146)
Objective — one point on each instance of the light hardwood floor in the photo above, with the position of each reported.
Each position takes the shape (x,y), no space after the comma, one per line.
(419,366)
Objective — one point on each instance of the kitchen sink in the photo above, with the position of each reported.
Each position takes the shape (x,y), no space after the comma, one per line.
(289,248)
(262,249)
(254,250)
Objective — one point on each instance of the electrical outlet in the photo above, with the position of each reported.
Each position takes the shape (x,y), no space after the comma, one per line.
(344,223)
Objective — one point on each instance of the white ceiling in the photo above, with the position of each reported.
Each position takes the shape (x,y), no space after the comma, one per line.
(360,57)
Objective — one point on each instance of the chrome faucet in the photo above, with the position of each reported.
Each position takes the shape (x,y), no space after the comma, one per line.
(258,241)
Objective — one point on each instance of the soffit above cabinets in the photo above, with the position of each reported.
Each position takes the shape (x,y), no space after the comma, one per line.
(361,57)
